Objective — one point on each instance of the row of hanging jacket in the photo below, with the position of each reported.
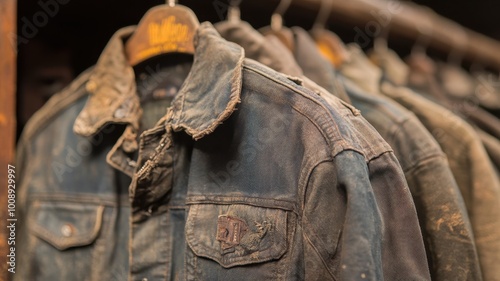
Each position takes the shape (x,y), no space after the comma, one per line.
(220,152)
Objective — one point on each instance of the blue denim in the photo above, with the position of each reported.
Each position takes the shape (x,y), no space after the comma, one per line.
(443,217)
(434,190)
(467,150)
(475,175)
(248,176)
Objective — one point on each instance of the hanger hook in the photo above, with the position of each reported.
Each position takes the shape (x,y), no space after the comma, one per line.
(277,17)
(323,14)
(380,44)
(171,3)
(234,13)
(456,54)
(425,30)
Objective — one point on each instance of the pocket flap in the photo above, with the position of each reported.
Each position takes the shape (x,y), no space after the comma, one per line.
(66,225)
(236,234)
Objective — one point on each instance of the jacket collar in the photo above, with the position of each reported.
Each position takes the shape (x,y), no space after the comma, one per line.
(266,50)
(315,66)
(360,70)
(393,67)
(270,51)
(207,97)
(311,61)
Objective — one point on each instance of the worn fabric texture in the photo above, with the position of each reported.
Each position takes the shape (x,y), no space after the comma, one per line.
(470,92)
(435,192)
(244,35)
(313,65)
(471,167)
(423,78)
(492,146)
(248,176)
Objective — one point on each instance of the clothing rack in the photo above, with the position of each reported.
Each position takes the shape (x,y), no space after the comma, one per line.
(415,22)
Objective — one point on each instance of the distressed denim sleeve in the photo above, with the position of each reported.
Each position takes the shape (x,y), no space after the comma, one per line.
(361,222)
(443,217)
(403,250)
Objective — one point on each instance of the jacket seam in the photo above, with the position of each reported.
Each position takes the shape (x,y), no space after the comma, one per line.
(308,180)
(303,94)
(395,125)
(340,140)
(192,201)
(337,140)
(375,157)
(423,162)
(313,168)
(65,198)
(319,255)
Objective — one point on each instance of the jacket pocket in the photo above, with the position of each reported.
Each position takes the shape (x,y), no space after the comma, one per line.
(66,225)
(235,234)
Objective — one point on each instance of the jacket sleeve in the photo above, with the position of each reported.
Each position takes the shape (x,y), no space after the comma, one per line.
(360,220)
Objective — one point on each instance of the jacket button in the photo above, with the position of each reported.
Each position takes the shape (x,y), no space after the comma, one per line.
(67,230)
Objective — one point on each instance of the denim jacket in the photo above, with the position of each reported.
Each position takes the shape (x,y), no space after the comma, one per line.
(248,176)
(475,175)
(426,170)
(275,55)
(446,226)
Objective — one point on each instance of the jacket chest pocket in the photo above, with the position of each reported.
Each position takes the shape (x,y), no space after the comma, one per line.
(62,239)
(237,242)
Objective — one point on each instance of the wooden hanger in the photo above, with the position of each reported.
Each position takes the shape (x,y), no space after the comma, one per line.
(276,28)
(380,48)
(329,44)
(234,13)
(164,29)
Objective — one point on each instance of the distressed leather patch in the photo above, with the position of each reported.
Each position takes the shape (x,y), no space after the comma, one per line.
(230,230)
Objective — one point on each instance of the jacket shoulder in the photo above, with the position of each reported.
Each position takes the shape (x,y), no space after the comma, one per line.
(55,105)
(49,112)
(341,124)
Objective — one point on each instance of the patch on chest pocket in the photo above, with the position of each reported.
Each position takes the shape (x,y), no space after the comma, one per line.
(237,234)
(232,232)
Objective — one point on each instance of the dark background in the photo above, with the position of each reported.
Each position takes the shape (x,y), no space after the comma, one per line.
(55,49)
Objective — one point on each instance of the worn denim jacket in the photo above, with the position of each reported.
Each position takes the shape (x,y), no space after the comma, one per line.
(471,167)
(440,206)
(248,176)
(435,193)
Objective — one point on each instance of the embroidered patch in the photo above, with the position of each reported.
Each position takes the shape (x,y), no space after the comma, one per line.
(230,230)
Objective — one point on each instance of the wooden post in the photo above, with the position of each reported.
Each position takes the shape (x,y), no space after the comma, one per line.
(8,52)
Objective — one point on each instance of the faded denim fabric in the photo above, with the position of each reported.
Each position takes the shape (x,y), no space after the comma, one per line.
(458,85)
(442,214)
(423,79)
(314,66)
(473,171)
(265,50)
(248,176)
(273,54)
(468,161)
(434,190)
